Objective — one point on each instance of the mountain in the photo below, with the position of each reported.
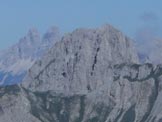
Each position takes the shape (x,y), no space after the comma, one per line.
(82,59)
(91,75)
(16,60)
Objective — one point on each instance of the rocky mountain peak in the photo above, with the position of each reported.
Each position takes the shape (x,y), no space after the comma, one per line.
(31,38)
(53,30)
(81,61)
(17,59)
(91,75)
(52,33)
(33,32)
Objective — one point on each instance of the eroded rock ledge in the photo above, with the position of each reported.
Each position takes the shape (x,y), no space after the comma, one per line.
(134,95)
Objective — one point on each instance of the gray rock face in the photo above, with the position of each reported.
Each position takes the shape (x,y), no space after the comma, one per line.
(129,98)
(89,76)
(22,50)
(81,61)
(16,60)
(14,106)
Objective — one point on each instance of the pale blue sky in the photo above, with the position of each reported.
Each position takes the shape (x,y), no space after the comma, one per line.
(17,16)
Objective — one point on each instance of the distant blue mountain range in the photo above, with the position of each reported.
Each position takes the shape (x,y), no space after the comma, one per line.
(17,59)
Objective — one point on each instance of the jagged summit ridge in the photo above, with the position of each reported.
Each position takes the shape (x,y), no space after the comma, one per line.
(17,59)
(91,75)
(81,61)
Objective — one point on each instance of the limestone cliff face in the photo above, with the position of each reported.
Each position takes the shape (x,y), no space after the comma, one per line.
(91,75)
(81,61)
(134,95)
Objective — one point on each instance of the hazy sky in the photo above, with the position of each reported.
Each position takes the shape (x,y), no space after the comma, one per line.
(130,16)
